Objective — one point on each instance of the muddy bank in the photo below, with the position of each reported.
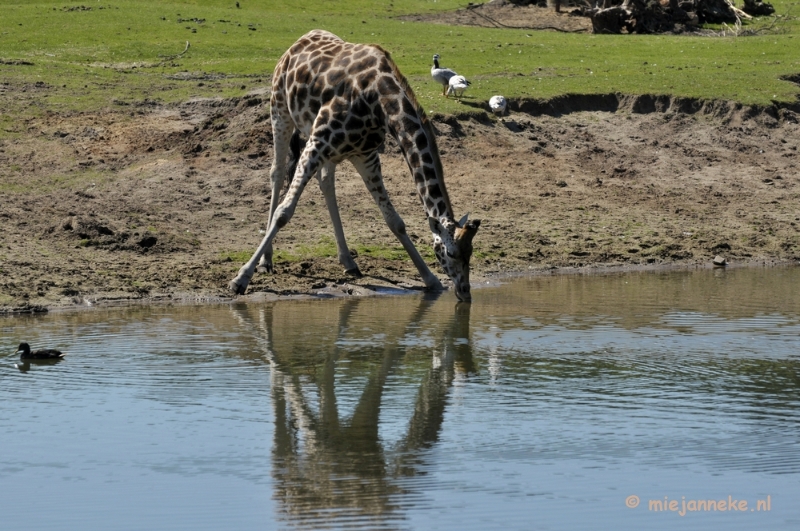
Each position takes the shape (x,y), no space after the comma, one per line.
(507,15)
(578,17)
(149,202)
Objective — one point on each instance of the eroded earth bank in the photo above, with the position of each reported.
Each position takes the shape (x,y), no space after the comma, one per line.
(152,202)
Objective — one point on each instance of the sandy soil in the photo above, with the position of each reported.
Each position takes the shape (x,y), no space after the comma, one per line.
(157,202)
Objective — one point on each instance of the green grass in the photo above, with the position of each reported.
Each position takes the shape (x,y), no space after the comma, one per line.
(322,249)
(326,248)
(116,52)
(238,257)
(393,253)
(13,180)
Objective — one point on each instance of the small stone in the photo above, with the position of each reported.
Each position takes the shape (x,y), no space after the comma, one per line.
(720,261)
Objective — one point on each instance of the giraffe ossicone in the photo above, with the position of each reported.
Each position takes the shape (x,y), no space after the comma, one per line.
(343,98)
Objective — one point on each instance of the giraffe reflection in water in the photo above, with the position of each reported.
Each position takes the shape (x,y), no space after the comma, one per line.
(330,464)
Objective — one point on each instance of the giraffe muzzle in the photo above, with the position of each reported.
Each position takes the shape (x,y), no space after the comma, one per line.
(463,294)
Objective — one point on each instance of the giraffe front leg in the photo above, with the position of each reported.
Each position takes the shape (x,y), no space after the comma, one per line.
(265,263)
(370,170)
(327,183)
(281,217)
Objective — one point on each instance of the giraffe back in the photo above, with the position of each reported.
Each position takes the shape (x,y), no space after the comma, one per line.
(350,95)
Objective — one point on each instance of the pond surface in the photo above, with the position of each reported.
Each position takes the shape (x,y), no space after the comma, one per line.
(549,403)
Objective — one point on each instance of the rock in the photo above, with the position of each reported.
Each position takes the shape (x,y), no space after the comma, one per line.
(147,242)
(720,261)
(757,8)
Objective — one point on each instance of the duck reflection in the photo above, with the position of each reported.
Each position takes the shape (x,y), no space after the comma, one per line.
(25,365)
(329,464)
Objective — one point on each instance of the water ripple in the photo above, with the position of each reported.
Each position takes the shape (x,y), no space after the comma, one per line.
(546,402)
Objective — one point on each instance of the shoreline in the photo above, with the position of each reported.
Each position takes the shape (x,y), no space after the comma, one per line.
(164,204)
(348,291)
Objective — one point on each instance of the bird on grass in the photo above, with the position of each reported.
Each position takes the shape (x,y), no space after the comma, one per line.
(457,85)
(441,75)
(43,354)
(498,105)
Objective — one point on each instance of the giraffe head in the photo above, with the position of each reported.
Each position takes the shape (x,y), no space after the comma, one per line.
(452,243)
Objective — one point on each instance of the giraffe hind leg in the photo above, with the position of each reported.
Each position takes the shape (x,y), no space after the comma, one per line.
(296,144)
(310,162)
(327,183)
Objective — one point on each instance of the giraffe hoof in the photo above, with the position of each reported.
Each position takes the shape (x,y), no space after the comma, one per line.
(434,286)
(265,269)
(235,287)
(354,272)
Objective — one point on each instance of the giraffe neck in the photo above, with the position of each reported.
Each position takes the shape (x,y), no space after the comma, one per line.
(414,133)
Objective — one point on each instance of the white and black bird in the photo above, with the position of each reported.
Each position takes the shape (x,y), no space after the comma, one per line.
(441,75)
(457,85)
(498,105)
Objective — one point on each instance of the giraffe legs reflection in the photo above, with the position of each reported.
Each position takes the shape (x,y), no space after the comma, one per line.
(329,457)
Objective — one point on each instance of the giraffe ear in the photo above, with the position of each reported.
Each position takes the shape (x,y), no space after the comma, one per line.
(463,221)
(465,234)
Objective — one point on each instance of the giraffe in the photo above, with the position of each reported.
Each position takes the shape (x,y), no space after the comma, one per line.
(343,98)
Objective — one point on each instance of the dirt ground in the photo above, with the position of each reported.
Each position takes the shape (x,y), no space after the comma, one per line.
(152,202)
(504,14)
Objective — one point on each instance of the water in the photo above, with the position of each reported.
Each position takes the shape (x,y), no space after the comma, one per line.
(548,403)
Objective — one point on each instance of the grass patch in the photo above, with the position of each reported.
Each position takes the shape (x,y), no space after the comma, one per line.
(322,249)
(128,51)
(326,248)
(235,256)
(393,253)
(9,129)
(14,181)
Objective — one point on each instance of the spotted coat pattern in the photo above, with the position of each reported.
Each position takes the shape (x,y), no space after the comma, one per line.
(344,98)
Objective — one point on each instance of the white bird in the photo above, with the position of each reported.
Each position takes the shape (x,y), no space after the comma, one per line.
(441,75)
(457,85)
(498,105)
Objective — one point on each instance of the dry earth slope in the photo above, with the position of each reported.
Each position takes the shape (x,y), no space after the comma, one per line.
(150,202)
